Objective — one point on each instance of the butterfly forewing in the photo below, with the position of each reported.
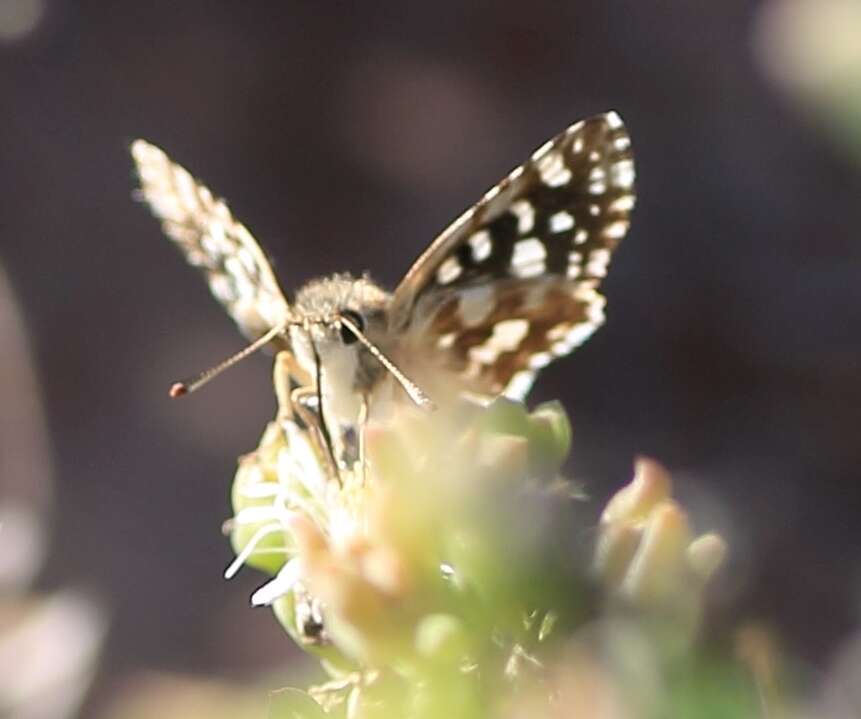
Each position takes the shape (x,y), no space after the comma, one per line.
(202,226)
(512,283)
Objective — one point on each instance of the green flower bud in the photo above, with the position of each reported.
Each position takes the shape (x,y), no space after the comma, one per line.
(549,438)
(506,416)
(270,552)
(255,470)
(333,660)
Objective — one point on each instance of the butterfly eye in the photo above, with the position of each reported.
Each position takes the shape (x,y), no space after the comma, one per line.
(347,337)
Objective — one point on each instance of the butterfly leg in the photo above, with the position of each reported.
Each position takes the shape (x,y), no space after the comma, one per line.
(282,378)
(293,402)
(301,399)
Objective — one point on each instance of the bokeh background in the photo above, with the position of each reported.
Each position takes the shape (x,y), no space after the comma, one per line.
(346,135)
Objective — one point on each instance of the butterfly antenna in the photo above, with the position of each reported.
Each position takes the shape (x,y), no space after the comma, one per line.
(411,388)
(178,389)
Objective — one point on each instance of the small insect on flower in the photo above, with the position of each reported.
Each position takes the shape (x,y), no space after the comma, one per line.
(509,286)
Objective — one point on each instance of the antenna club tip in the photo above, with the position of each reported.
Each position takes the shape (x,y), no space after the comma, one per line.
(178,389)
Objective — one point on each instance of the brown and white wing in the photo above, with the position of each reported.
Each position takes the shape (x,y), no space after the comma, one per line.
(513,283)
(202,227)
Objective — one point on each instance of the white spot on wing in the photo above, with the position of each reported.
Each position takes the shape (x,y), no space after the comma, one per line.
(542,150)
(561,348)
(528,258)
(580,334)
(222,289)
(525,214)
(244,286)
(598,261)
(575,260)
(508,334)
(447,340)
(540,359)
(552,169)
(597,181)
(247,260)
(506,337)
(593,301)
(185,185)
(448,271)
(209,246)
(625,203)
(233,266)
(520,384)
(616,230)
(575,128)
(485,354)
(622,174)
(558,332)
(481,245)
(561,221)
(528,250)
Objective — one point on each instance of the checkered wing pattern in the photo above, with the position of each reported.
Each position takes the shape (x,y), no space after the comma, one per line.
(513,283)
(202,227)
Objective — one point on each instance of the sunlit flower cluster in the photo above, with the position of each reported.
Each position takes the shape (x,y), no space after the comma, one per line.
(453,561)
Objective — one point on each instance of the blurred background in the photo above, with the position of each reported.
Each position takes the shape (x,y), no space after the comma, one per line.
(346,136)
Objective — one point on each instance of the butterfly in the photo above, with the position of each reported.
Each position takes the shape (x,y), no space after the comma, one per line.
(509,286)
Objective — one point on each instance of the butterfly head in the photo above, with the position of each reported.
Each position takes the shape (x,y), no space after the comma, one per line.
(333,313)
(342,339)
(322,303)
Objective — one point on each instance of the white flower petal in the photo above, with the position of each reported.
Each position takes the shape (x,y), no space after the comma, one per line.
(279,586)
(249,548)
